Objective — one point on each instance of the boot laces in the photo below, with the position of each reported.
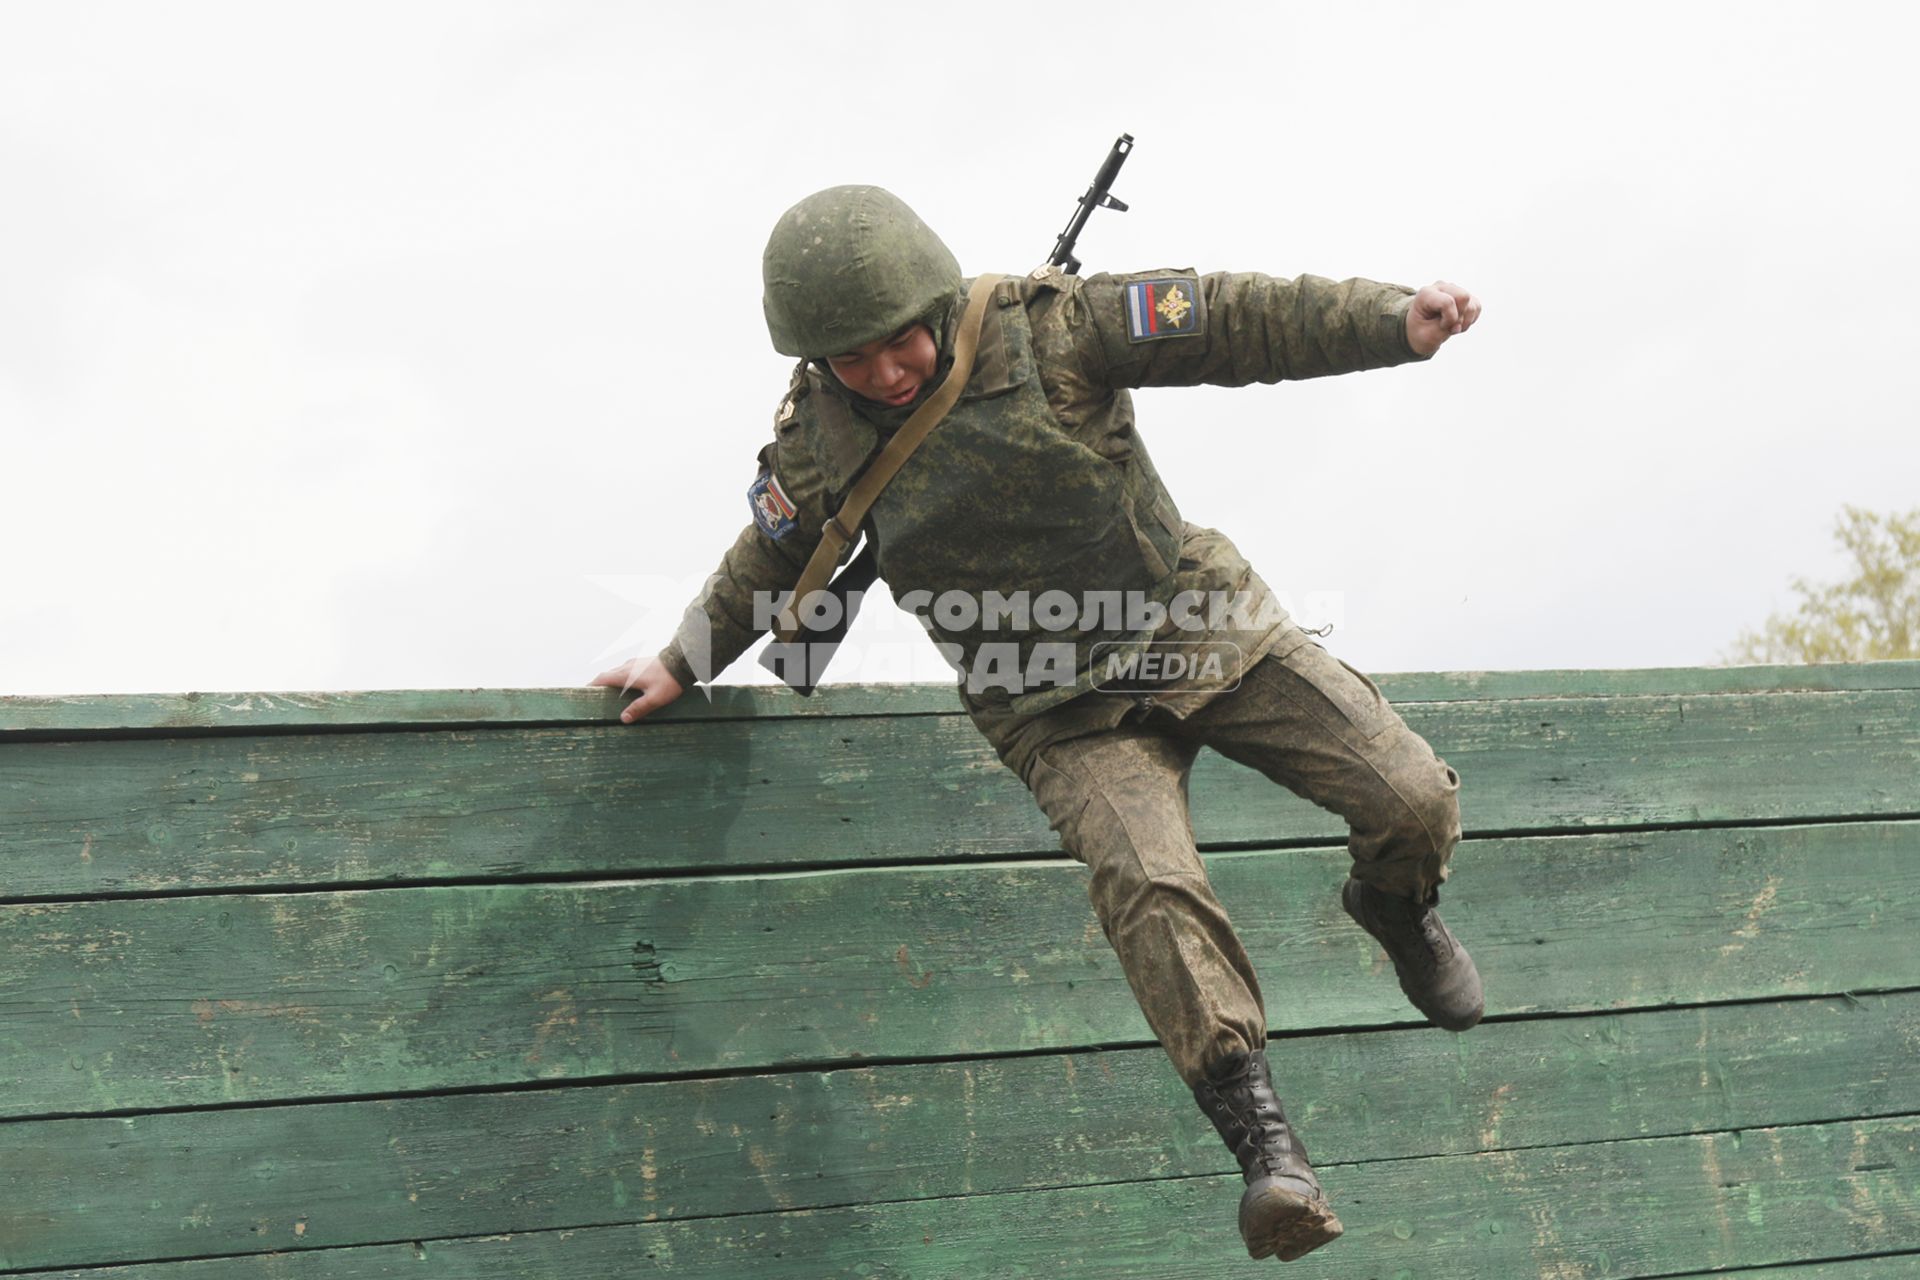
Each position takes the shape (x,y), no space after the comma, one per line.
(1434,934)
(1269,1138)
(1419,923)
(1238,1096)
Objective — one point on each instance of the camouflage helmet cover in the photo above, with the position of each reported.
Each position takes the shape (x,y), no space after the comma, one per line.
(848,266)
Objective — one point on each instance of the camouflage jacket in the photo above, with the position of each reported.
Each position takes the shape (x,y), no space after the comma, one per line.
(1037,487)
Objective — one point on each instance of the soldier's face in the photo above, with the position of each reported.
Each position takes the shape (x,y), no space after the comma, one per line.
(893,370)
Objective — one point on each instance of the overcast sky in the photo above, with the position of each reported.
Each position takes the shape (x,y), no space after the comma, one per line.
(350,346)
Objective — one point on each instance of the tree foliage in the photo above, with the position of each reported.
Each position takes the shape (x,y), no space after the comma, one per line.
(1874,614)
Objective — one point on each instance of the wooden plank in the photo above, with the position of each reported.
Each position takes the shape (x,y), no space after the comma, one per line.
(255,712)
(1456,686)
(141,816)
(1567,764)
(150,816)
(1886,1266)
(195,714)
(413,989)
(97,1191)
(1645,1207)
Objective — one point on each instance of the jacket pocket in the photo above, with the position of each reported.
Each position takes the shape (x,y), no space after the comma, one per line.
(1158,565)
(1169,517)
(1157,533)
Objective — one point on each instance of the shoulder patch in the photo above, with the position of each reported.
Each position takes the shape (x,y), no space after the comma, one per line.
(773,511)
(1167,308)
(796,392)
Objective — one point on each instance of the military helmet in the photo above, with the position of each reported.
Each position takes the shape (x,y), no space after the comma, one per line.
(848,266)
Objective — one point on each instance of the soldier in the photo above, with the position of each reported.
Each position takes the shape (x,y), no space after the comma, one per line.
(1036,481)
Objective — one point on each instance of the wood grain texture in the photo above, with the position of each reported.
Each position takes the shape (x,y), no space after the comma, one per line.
(196,714)
(535,936)
(244,997)
(252,712)
(1640,1207)
(96,1191)
(84,818)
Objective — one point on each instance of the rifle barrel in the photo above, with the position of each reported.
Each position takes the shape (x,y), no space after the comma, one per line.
(1094,197)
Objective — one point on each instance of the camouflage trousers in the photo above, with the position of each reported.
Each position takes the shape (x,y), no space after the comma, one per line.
(1118,799)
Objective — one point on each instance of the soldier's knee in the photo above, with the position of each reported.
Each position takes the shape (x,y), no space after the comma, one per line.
(1433,795)
(1124,890)
(1420,807)
(1142,862)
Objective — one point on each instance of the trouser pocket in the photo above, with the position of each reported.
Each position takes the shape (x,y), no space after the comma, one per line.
(1349,695)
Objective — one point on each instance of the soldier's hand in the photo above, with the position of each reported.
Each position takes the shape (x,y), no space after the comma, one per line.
(1439,311)
(650,676)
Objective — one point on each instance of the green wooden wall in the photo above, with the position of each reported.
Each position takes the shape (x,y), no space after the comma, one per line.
(483,983)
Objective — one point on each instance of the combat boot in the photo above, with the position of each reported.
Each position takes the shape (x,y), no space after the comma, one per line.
(1434,969)
(1282,1211)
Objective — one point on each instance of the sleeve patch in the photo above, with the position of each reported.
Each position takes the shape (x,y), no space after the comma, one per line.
(773,511)
(1162,309)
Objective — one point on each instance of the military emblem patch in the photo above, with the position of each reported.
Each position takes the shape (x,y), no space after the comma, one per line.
(1162,309)
(773,511)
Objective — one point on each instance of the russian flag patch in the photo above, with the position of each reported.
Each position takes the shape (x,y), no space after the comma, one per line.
(1162,309)
(773,511)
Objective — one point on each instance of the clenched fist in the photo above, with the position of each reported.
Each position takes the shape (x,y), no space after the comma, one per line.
(1439,311)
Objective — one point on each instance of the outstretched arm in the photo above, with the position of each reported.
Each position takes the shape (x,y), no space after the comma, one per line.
(1173,328)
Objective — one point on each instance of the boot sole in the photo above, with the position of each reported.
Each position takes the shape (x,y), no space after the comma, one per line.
(1290,1226)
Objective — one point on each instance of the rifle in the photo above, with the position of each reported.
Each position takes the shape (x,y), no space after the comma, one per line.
(1098,196)
(801,663)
